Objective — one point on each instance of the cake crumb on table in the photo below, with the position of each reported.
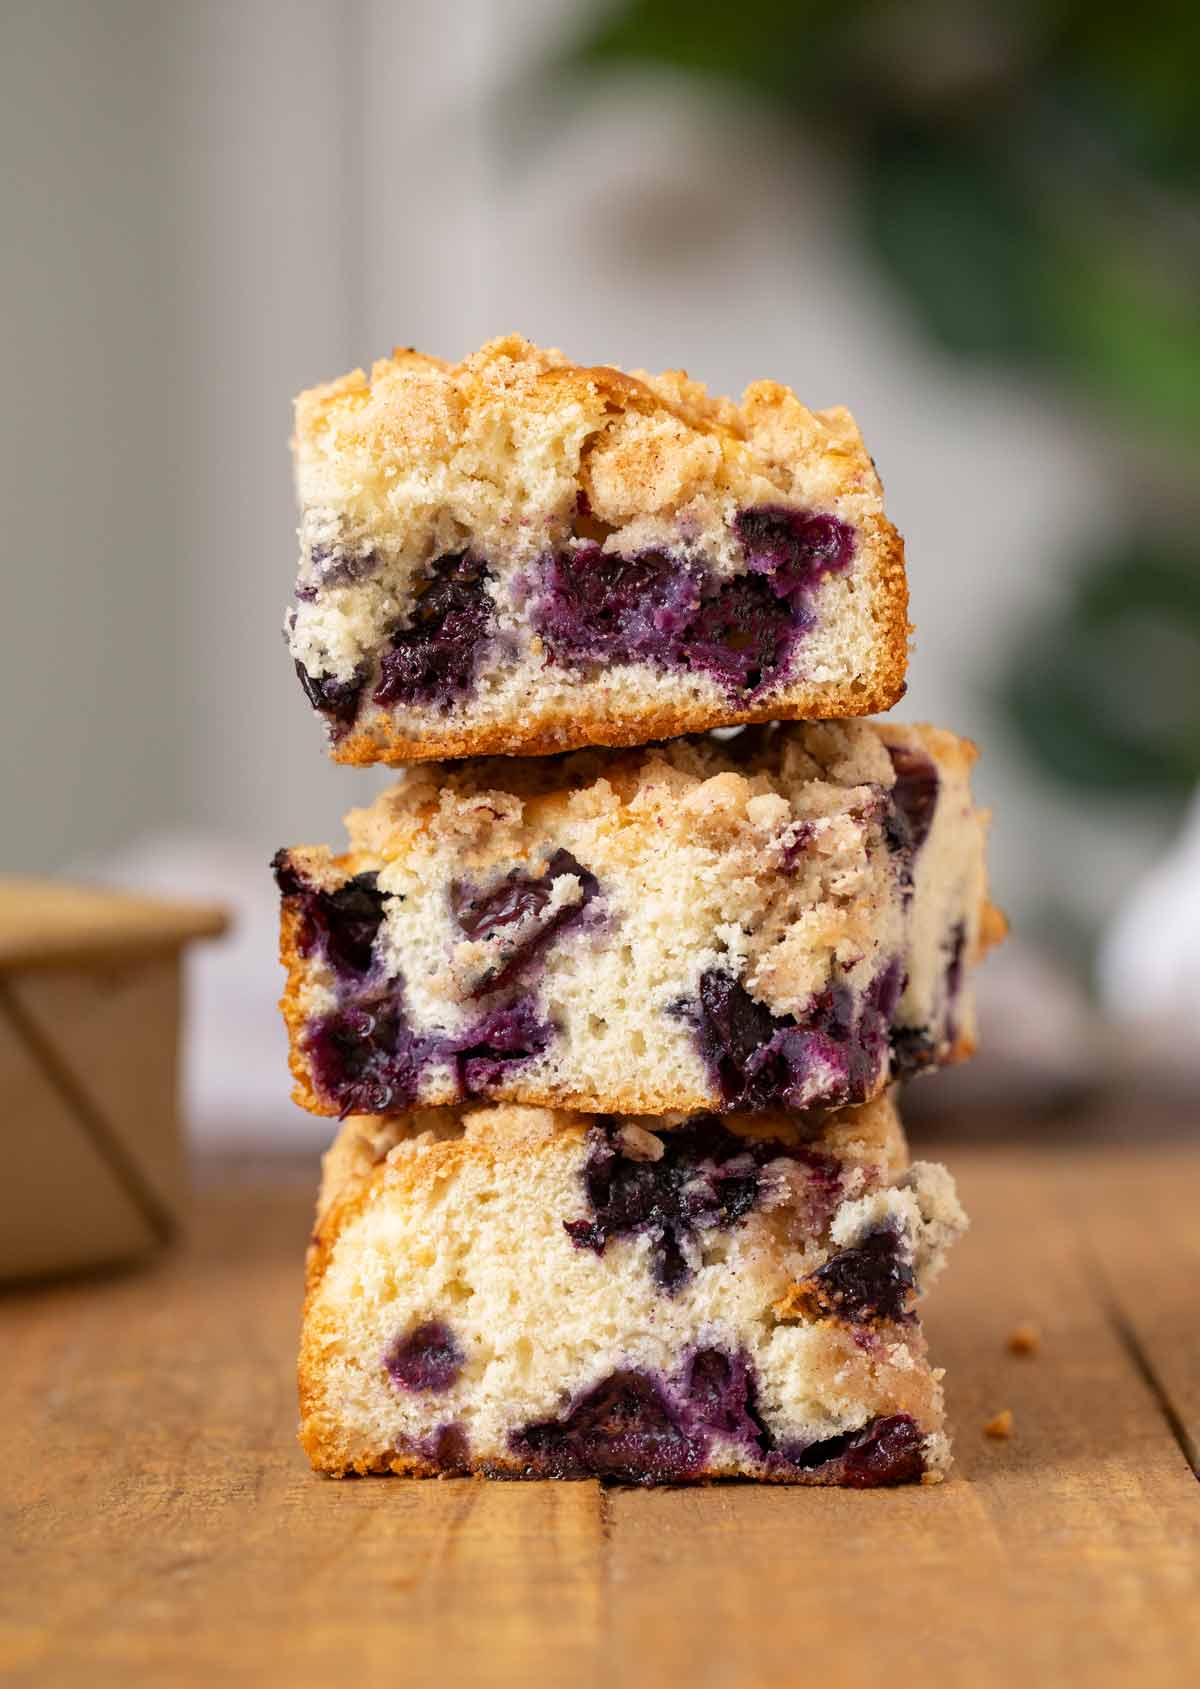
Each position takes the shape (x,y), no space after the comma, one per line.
(1024,1340)
(1001,1427)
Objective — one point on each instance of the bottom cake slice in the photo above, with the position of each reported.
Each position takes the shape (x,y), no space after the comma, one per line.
(524,1292)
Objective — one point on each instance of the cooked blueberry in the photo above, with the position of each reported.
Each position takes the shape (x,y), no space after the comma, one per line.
(831,1056)
(872,1281)
(450,1450)
(914,798)
(487,1050)
(706,1177)
(485,915)
(886,1451)
(599,606)
(288,878)
(332,566)
(758,1059)
(624,1429)
(366,1058)
(802,837)
(741,634)
(426,1358)
(337,699)
(793,548)
(436,656)
(720,1390)
(343,922)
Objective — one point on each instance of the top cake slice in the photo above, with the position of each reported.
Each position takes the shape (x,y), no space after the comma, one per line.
(518,555)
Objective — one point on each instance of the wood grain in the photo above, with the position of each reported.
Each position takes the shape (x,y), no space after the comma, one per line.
(160,1525)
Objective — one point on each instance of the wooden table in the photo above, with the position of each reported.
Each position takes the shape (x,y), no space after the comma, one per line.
(162,1527)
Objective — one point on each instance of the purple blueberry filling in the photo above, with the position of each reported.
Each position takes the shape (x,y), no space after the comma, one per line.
(337,700)
(518,898)
(343,922)
(832,1056)
(706,1177)
(504,1036)
(363,1054)
(721,1392)
(634,1428)
(626,1430)
(596,607)
(888,1450)
(436,657)
(426,1358)
(447,1447)
(599,607)
(872,1281)
(914,799)
(367,1059)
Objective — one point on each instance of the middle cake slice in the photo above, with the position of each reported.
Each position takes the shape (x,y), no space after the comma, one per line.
(784,919)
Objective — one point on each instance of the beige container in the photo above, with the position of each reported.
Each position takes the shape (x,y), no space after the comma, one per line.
(89,1073)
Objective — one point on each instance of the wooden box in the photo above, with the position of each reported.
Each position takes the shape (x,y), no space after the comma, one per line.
(89,1073)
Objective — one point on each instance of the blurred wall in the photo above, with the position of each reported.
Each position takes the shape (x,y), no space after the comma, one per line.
(212,205)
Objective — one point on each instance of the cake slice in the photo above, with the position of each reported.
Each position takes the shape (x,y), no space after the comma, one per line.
(530,1293)
(786,918)
(514,554)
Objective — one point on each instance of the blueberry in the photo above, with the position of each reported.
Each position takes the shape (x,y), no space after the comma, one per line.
(435,658)
(913,1051)
(367,1059)
(888,1450)
(872,1281)
(487,1050)
(707,1177)
(914,798)
(625,1430)
(364,1056)
(596,606)
(343,922)
(336,699)
(676,613)
(833,1055)
(427,1358)
(741,634)
(485,915)
(794,549)
(720,1390)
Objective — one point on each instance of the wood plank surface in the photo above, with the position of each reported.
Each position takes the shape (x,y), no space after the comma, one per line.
(160,1526)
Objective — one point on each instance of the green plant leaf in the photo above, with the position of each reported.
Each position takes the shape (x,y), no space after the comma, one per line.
(1106,696)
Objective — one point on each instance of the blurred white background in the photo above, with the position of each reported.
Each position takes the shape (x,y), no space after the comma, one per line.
(207,207)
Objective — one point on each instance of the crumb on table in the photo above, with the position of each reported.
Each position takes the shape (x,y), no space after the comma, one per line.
(1024,1340)
(1001,1427)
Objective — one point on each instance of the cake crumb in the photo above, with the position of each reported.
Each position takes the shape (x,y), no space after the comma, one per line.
(1001,1426)
(1024,1340)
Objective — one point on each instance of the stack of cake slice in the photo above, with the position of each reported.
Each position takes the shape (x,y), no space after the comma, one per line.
(621,1190)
